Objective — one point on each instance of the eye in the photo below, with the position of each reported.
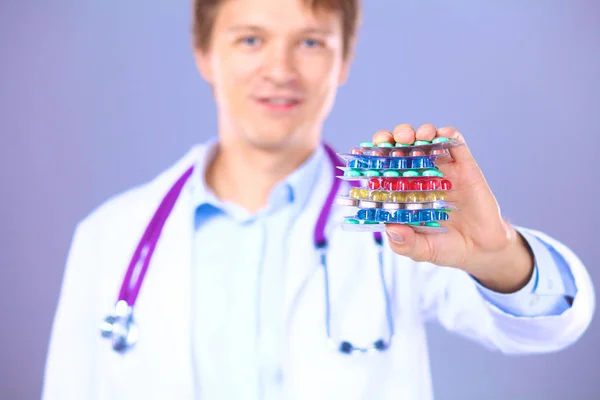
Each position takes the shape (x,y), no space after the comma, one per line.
(310,43)
(250,41)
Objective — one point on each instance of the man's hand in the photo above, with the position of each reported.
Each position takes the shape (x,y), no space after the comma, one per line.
(479,241)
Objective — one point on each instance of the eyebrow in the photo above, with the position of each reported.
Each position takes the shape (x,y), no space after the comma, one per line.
(250,27)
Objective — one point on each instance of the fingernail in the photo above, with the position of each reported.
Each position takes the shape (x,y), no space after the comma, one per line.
(396,237)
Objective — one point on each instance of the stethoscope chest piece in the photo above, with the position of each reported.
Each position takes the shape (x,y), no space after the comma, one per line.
(120,328)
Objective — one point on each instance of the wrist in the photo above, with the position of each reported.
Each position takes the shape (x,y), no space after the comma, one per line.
(509,270)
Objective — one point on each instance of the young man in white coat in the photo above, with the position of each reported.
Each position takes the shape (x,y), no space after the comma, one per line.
(233,303)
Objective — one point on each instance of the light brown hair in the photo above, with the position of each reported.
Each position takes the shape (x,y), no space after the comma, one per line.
(205,13)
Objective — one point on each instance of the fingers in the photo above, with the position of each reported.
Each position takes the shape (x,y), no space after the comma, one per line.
(383,136)
(406,242)
(404,133)
(426,132)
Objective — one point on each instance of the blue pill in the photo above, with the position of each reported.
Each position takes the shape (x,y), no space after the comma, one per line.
(377,163)
(417,163)
(422,162)
(398,163)
(383,216)
(362,215)
(358,163)
(414,216)
(403,216)
(441,215)
(367,214)
(427,215)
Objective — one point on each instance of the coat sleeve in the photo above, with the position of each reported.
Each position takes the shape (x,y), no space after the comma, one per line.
(453,298)
(70,362)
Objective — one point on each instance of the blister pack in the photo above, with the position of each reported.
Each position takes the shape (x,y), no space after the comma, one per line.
(397,183)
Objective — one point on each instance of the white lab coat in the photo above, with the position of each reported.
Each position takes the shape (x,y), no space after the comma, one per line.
(82,365)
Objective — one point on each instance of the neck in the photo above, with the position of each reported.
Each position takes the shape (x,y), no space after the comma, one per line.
(246,175)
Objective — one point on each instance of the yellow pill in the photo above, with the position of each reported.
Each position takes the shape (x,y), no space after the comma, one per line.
(374,195)
(385,196)
(441,196)
(412,197)
(398,197)
(364,194)
(421,197)
(432,196)
(355,193)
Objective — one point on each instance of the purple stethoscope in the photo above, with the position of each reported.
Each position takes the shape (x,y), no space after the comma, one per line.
(120,326)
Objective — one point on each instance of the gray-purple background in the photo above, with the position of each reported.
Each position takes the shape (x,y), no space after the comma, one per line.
(98,96)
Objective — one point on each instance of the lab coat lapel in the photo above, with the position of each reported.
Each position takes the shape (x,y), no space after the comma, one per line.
(163,311)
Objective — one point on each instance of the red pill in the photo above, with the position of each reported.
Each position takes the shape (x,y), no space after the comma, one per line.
(402,184)
(377,153)
(416,153)
(438,151)
(432,184)
(374,184)
(446,184)
(387,184)
(357,152)
(397,153)
(417,184)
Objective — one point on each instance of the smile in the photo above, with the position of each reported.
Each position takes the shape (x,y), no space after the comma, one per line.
(278,103)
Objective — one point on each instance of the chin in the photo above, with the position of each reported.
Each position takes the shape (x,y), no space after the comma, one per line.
(274,139)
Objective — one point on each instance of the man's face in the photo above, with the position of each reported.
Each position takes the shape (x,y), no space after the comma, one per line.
(274,67)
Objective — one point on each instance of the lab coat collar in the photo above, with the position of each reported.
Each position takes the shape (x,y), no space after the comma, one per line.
(294,189)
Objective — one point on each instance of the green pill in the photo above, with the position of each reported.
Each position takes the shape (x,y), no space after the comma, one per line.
(385,144)
(367,144)
(402,145)
(371,222)
(391,173)
(352,172)
(421,142)
(440,140)
(432,172)
(414,223)
(433,224)
(372,172)
(411,173)
(352,221)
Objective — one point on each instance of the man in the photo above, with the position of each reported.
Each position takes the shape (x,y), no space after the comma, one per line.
(234,306)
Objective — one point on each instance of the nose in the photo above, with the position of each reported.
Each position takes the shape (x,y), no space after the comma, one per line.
(279,65)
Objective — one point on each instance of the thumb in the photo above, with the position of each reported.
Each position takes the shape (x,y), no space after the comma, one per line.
(406,242)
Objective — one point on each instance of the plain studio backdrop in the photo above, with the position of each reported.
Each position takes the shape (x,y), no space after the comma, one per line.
(96,97)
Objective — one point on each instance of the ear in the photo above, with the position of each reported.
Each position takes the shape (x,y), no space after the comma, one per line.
(203,63)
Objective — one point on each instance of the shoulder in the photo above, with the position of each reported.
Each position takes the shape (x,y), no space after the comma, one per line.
(133,208)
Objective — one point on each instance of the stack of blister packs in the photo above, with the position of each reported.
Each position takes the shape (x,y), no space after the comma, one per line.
(397,183)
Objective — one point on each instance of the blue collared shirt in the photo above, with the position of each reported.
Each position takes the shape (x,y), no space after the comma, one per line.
(238,290)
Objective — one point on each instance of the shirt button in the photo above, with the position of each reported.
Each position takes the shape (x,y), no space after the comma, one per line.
(278,376)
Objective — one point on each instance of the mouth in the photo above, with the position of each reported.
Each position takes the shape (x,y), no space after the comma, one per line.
(279,104)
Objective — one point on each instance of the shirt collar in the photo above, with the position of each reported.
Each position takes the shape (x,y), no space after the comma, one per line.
(294,190)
